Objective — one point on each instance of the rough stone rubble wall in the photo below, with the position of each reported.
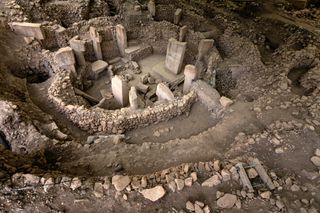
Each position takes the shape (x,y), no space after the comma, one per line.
(117,121)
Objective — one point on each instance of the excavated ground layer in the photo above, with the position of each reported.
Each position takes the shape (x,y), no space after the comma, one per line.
(268,65)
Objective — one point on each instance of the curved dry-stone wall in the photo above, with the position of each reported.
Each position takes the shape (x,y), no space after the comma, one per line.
(112,121)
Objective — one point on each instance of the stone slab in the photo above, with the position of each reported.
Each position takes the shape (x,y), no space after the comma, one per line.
(28,29)
(175,55)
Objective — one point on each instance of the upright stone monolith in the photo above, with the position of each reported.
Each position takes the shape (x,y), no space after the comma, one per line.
(177,16)
(121,35)
(152,8)
(96,41)
(190,74)
(120,90)
(133,98)
(78,47)
(183,33)
(175,55)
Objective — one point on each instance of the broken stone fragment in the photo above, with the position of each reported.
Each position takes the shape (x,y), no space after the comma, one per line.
(75,183)
(225,102)
(227,201)
(120,182)
(154,194)
(98,190)
(213,181)
(315,160)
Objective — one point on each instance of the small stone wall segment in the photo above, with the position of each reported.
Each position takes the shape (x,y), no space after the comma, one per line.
(112,121)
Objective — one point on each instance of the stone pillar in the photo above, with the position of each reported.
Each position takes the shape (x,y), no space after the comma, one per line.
(183,33)
(133,98)
(78,48)
(152,8)
(204,46)
(120,90)
(164,93)
(65,59)
(121,38)
(96,41)
(177,16)
(175,55)
(190,74)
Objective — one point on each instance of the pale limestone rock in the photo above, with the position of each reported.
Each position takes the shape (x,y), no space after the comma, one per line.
(154,194)
(213,181)
(120,182)
(227,201)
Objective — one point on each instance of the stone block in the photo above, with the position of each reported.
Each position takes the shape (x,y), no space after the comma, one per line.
(98,68)
(64,56)
(175,55)
(28,29)
(164,93)
(120,90)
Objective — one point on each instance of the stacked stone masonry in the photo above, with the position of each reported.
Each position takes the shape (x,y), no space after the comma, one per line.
(112,121)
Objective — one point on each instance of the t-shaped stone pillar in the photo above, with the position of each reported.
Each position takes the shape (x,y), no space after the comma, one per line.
(64,57)
(120,90)
(133,98)
(121,35)
(78,47)
(96,41)
(190,74)
(164,93)
(175,55)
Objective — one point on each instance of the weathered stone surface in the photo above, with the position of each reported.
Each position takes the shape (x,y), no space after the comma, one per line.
(183,33)
(315,160)
(133,98)
(213,181)
(120,182)
(190,206)
(180,184)
(28,29)
(121,35)
(154,194)
(225,102)
(266,195)
(64,56)
(227,201)
(98,189)
(98,67)
(78,47)
(120,90)
(190,74)
(177,16)
(204,46)
(175,55)
(96,41)
(30,179)
(75,183)
(152,7)
(164,93)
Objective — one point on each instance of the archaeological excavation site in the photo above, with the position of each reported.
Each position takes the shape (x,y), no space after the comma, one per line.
(159,106)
